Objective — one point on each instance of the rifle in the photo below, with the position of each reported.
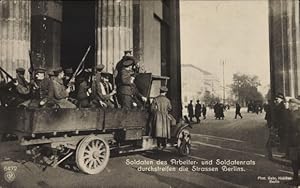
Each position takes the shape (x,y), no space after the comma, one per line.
(79,66)
(114,87)
(31,65)
(7,74)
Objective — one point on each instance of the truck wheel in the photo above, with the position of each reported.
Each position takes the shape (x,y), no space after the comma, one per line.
(184,142)
(92,155)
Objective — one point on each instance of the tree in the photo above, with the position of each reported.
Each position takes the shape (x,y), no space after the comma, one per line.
(209,98)
(244,87)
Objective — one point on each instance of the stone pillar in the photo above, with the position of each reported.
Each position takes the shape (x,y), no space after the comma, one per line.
(174,65)
(284,47)
(46,33)
(114,31)
(14,34)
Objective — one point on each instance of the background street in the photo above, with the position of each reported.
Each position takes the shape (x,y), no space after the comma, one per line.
(229,139)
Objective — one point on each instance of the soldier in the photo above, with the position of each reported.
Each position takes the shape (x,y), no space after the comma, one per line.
(160,107)
(68,75)
(127,90)
(41,84)
(100,96)
(277,125)
(198,111)
(84,92)
(238,111)
(22,86)
(190,110)
(58,91)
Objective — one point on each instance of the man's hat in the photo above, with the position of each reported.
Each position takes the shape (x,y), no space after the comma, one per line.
(57,71)
(100,67)
(20,70)
(163,89)
(68,71)
(280,95)
(198,101)
(128,62)
(40,70)
(51,73)
(127,51)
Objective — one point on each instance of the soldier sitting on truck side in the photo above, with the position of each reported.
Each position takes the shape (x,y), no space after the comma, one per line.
(21,87)
(39,89)
(101,97)
(58,91)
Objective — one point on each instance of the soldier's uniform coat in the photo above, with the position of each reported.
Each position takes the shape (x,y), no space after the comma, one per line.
(125,89)
(58,92)
(82,94)
(161,106)
(99,93)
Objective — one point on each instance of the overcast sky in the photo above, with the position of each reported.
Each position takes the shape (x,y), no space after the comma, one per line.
(234,31)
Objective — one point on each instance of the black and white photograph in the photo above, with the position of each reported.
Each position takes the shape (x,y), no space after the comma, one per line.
(149,93)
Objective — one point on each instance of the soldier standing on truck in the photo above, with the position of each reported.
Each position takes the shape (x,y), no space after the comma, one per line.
(99,95)
(128,94)
(161,120)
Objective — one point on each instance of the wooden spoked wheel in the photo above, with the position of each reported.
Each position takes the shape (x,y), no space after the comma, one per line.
(92,155)
(184,142)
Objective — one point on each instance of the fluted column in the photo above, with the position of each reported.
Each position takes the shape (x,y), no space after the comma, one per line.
(114,31)
(46,33)
(14,34)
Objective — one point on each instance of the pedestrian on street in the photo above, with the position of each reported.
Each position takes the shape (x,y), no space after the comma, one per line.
(204,111)
(238,111)
(198,111)
(161,121)
(191,111)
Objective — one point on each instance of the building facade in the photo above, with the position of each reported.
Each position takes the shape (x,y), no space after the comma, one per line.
(284,33)
(201,82)
(58,33)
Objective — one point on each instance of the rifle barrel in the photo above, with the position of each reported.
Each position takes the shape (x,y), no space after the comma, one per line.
(6,73)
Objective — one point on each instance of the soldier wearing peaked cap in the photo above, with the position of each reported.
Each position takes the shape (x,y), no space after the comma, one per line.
(161,119)
(101,97)
(22,85)
(128,94)
(58,91)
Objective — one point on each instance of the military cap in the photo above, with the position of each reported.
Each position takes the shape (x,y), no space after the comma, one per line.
(164,89)
(127,51)
(68,71)
(128,63)
(51,73)
(280,95)
(40,70)
(20,70)
(100,67)
(57,71)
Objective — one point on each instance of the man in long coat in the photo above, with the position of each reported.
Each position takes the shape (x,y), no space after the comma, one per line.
(198,111)
(161,106)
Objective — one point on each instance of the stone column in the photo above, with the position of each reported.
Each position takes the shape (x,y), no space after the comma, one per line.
(14,34)
(46,33)
(114,31)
